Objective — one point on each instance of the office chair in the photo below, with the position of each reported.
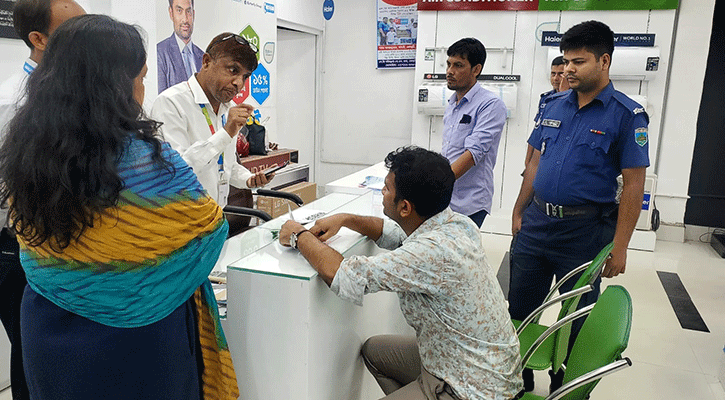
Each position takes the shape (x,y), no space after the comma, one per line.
(240,207)
(552,352)
(597,351)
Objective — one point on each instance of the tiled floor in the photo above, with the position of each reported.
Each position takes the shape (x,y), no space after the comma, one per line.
(668,362)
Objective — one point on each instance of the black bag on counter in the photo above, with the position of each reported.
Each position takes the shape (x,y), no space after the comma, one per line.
(257,139)
(253,142)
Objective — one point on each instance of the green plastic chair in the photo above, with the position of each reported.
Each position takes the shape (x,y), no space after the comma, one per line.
(598,349)
(552,353)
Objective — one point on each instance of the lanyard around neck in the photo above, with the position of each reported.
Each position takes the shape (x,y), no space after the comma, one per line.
(204,110)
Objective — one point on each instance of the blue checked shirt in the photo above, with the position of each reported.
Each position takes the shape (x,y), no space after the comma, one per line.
(474,124)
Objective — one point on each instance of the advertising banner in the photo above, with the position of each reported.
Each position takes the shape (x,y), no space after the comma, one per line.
(544,5)
(185,31)
(580,5)
(397,32)
(477,5)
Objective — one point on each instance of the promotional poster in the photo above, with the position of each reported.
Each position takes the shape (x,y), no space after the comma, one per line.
(185,29)
(397,32)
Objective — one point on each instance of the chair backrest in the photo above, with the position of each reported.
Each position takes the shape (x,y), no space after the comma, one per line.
(602,339)
(587,277)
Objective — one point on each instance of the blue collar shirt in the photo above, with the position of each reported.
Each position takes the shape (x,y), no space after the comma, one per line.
(474,124)
(584,150)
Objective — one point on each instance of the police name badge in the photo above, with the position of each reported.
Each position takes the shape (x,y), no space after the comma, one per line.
(640,136)
(551,123)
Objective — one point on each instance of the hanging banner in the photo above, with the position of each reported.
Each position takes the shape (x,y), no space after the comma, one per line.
(544,5)
(477,5)
(581,5)
(397,32)
(6,20)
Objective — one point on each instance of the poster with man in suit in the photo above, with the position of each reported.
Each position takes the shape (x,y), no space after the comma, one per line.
(177,56)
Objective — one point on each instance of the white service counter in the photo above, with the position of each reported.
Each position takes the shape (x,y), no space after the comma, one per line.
(352,183)
(290,337)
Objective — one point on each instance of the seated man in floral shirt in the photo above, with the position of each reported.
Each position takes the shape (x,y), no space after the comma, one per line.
(465,345)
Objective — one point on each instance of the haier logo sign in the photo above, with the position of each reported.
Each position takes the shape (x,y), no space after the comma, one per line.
(328,8)
(645,201)
(268,8)
(550,38)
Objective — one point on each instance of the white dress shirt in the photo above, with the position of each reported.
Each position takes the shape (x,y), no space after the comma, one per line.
(12,96)
(12,92)
(187,131)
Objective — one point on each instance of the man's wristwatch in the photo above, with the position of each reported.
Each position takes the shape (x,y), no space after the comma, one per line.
(294,236)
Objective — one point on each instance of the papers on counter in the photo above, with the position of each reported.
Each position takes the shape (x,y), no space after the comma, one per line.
(373,182)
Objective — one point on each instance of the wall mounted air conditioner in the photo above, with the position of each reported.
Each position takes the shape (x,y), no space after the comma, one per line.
(628,63)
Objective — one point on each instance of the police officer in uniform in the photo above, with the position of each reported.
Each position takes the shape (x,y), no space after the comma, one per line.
(557,76)
(566,212)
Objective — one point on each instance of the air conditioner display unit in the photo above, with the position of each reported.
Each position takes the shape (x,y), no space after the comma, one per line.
(433,97)
(433,93)
(628,63)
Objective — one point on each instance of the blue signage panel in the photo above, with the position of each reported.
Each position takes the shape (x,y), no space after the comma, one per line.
(260,84)
(328,8)
(645,201)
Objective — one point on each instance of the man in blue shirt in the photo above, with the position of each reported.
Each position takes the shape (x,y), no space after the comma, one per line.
(383,28)
(583,140)
(472,126)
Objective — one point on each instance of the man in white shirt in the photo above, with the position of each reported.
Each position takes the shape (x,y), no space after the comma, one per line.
(34,21)
(177,57)
(201,122)
(465,346)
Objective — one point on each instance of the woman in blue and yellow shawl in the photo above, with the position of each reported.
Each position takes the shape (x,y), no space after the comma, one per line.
(117,236)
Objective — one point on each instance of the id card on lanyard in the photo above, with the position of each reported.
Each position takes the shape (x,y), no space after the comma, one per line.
(222,181)
(28,68)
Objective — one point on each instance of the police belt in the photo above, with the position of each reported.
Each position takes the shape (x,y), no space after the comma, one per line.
(561,212)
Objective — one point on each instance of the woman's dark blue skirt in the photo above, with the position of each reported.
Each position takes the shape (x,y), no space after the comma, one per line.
(69,357)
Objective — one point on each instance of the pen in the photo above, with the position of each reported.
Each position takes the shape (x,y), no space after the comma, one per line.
(291,216)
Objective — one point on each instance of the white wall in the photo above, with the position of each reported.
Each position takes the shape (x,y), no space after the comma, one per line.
(365,111)
(14,52)
(521,31)
(302,14)
(689,59)
(357,98)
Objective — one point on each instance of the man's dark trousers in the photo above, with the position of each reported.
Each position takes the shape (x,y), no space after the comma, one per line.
(547,247)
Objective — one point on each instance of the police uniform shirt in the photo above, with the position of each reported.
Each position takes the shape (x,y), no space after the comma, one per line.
(542,103)
(584,150)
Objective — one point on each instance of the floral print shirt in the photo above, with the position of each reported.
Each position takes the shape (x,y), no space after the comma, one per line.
(449,294)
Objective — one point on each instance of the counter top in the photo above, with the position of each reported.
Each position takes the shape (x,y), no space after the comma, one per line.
(351,183)
(266,255)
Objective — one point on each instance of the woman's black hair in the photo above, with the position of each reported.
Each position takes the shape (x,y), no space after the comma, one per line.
(58,163)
